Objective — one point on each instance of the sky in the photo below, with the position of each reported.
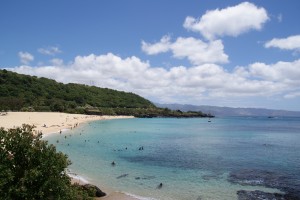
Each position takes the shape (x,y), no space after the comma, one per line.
(201,52)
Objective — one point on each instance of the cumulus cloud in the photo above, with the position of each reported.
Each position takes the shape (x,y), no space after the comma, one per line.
(49,51)
(160,47)
(230,21)
(289,43)
(195,50)
(25,57)
(278,72)
(179,83)
(278,78)
(199,52)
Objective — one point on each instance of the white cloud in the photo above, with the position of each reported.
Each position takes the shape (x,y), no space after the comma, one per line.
(162,46)
(278,72)
(195,50)
(25,57)
(49,51)
(199,52)
(179,83)
(289,43)
(231,21)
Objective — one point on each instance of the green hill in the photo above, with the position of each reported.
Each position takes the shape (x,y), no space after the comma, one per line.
(30,93)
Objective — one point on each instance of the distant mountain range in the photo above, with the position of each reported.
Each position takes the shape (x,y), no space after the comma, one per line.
(228,111)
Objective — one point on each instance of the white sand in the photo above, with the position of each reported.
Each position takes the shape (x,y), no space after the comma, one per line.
(49,122)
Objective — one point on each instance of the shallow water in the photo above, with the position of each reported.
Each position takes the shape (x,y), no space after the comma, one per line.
(191,157)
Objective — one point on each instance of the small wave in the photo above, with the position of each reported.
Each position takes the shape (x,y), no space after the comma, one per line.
(78,178)
(139,197)
(64,129)
(48,134)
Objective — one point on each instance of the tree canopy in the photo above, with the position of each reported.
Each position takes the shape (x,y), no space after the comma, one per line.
(32,169)
(20,91)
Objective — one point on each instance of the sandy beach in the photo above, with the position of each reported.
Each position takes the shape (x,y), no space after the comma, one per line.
(52,122)
(49,122)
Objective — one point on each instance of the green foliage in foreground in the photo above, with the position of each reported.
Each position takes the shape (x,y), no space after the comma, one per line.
(32,169)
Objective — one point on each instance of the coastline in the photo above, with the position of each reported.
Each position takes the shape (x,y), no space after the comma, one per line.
(50,122)
(110,193)
(54,122)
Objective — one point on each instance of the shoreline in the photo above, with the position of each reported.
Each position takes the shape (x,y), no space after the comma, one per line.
(111,194)
(50,122)
(54,122)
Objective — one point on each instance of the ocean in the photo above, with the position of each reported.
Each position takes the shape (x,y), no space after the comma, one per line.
(227,158)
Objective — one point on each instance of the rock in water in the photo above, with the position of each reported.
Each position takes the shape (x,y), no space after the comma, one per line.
(122,176)
(254,195)
(287,184)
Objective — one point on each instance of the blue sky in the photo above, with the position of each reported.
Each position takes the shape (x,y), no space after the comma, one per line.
(225,53)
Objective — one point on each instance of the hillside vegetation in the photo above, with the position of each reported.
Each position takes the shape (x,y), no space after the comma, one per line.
(30,93)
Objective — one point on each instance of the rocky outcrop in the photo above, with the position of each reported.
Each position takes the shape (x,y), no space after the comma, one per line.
(96,191)
(256,178)
(254,195)
(288,184)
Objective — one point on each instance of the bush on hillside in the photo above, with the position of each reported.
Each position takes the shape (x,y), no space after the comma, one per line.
(30,168)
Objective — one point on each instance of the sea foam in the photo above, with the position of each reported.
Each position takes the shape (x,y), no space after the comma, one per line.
(139,197)
(78,178)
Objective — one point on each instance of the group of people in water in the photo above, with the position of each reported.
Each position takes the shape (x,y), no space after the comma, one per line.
(141,148)
(113,163)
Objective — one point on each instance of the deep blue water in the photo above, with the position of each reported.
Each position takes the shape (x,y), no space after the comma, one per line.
(193,158)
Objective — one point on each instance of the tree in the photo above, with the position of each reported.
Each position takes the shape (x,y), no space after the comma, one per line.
(32,169)
(57,105)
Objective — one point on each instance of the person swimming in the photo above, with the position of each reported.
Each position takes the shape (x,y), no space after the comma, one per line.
(159,186)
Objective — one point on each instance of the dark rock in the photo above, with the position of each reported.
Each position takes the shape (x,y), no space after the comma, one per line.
(292,194)
(254,195)
(289,185)
(122,176)
(256,178)
(148,177)
(98,192)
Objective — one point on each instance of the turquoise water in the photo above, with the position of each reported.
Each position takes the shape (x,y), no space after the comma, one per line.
(191,157)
